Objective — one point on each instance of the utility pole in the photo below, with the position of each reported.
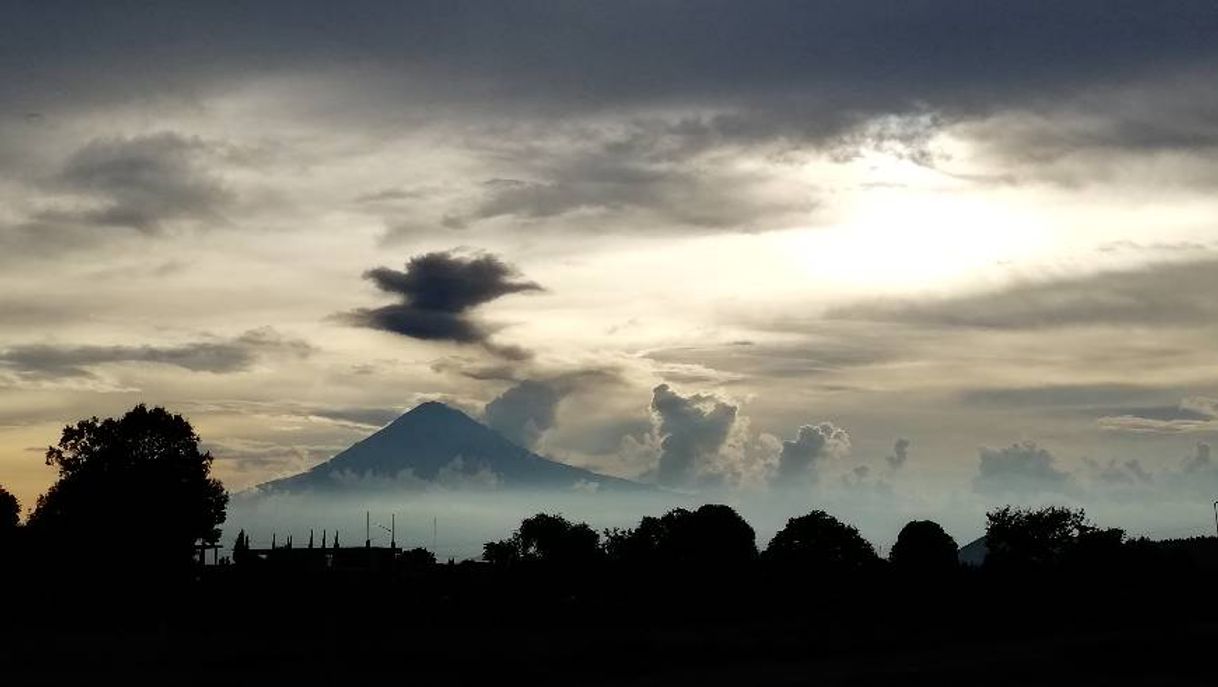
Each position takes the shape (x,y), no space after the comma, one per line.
(367,529)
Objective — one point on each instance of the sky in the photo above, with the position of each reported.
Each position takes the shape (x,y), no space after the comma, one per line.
(940,254)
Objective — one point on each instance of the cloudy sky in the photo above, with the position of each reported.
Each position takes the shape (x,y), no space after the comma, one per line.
(940,247)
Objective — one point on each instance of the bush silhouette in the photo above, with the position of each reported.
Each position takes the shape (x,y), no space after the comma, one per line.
(820,542)
(142,470)
(923,548)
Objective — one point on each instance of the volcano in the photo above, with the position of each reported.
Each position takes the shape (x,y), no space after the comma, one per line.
(435,444)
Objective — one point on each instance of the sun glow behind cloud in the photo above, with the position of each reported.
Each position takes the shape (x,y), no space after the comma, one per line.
(903,226)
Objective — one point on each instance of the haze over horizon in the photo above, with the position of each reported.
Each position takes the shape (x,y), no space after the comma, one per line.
(901,258)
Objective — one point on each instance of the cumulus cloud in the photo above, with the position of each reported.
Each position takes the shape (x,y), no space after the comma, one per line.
(524,412)
(437,291)
(799,459)
(49,361)
(1023,468)
(692,430)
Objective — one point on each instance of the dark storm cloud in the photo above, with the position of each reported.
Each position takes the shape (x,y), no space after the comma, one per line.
(1020,469)
(810,72)
(141,182)
(437,292)
(692,430)
(219,357)
(1170,294)
(588,52)
(799,459)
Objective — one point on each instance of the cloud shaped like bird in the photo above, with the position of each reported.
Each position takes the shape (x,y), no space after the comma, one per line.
(437,291)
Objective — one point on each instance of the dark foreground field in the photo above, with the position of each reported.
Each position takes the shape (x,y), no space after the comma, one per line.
(461,625)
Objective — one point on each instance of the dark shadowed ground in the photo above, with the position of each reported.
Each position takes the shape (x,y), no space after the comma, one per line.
(456,625)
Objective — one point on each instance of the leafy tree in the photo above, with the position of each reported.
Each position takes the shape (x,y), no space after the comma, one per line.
(640,544)
(142,470)
(1025,538)
(10,512)
(922,547)
(714,534)
(549,539)
(505,552)
(821,542)
(418,557)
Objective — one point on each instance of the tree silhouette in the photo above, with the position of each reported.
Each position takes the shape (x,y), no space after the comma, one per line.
(923,548)
(1097,549)
(143,470)
(820,542)
(713,534)
(241,548)
(501,553)
(10,512)
(418,557)
(1027,539)
(546,538)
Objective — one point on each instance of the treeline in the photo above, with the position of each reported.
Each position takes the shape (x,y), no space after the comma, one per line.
(1018,541)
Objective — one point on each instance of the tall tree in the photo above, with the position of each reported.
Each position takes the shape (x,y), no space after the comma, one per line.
(241,548)
(143,471)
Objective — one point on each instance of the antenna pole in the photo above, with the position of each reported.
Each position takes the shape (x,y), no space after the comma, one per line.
(367,529)
(433,534)
(393,527)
